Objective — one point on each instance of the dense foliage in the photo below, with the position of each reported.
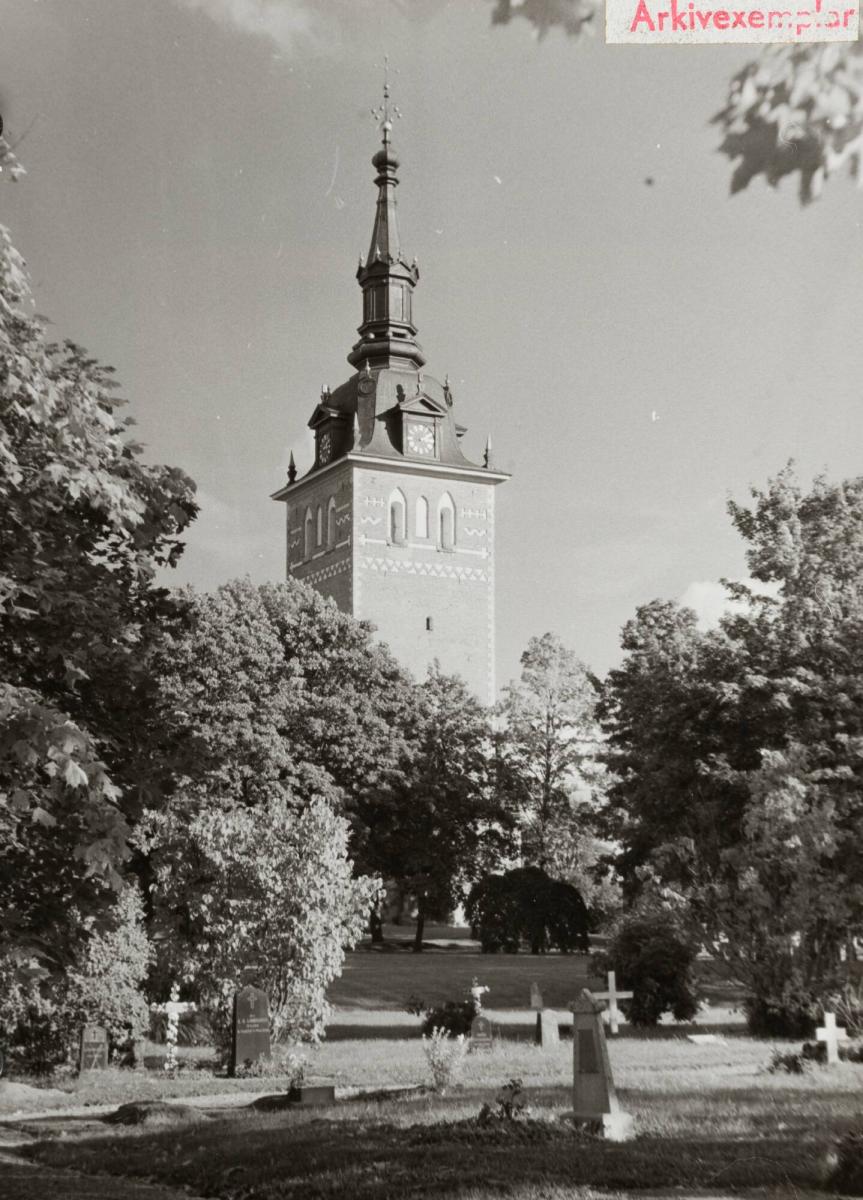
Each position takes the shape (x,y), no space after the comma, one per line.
(262,888)
(526,905)
(85,527)
(738,753)
(653,956)
(436,824)
(41,1016)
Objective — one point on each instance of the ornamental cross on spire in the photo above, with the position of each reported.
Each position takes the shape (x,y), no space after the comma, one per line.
(385,112)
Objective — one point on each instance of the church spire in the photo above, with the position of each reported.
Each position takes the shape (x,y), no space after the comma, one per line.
(387,333)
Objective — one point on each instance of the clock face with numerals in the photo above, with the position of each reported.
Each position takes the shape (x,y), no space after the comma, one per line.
(421,439)
(326,447)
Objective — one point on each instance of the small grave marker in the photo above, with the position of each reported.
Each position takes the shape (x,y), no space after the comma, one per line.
(594,1099)
(250,1039)
(480,1034)
(535,996)
(94,1048)
(613,1014)
(831,1034)
(547,1029)
(173,1010)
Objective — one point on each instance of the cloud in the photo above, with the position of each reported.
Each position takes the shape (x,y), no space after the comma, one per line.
(285,22)
(290,24)
(710,601)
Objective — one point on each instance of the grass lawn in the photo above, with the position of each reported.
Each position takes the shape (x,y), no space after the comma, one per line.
(707,1116)
(383,979)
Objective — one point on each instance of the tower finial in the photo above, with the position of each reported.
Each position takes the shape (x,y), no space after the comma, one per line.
(385,112)
(292,469)
(486,458)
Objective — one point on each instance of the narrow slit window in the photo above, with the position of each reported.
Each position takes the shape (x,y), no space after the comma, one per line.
(309,534)
(398,517)
(421,518)
(446,523)
(331,523)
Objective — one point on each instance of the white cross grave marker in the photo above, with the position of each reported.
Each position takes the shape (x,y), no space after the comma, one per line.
(612,1013)
(173,1009)
(831,1034)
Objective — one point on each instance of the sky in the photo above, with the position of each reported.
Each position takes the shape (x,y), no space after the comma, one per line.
(639,344)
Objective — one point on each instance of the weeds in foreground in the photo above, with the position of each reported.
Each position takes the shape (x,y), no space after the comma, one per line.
(445,1056)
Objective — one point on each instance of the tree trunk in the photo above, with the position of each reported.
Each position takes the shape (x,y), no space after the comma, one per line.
(418,936)
(376,927)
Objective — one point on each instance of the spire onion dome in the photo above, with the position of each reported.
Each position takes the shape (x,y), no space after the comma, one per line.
(387,278)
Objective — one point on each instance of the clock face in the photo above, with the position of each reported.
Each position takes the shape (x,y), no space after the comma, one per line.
(326,447)
(421,439)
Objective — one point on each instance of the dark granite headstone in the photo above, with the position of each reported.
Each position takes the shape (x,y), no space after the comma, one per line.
(480,1033)
(94,1048)
(251,1030)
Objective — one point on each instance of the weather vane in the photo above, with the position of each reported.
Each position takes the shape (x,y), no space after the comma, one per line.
(385,112)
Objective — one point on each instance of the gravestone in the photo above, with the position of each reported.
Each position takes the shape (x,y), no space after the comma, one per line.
(535,996)
(94,1048)
(594,1099)
(139,1049)
(547,1029)
(250,1040)
(612,995)
(831,1034)
(480,1033)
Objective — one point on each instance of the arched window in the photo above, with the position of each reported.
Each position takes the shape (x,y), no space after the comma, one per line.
(331,523)
(398,517)
(319,526)
(446,522)
(421,518)
(309,533)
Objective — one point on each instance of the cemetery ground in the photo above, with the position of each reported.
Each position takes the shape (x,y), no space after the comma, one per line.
(710,1119)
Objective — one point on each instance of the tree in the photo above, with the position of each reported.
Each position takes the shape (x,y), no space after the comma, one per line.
(85,527)
(272,690)
(737,753)
(261,887)
(525,904)
(795,109)
(436,824)
(278,687)
(546,743)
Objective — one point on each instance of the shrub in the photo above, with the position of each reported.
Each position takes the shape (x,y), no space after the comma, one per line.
(106,986)
(263,887)
(41,1016)
(653,957)
(284,1061)
(847,1176)
(454,1018)
(792,1062)
(445,1056)
(528,905)
(791,1011)
(847,1004)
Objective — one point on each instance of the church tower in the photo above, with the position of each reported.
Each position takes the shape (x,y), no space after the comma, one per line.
(392,521)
